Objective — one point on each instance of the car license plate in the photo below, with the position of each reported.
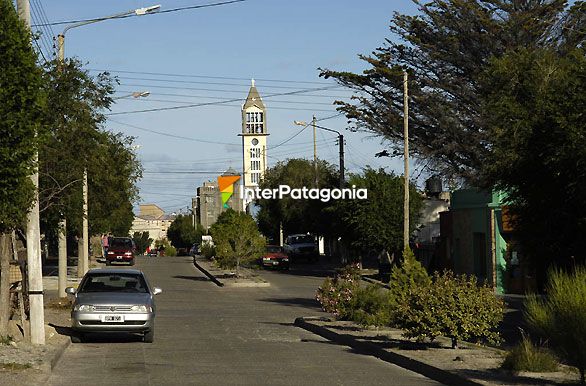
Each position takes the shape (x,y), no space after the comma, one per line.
(113,318)
(275,263)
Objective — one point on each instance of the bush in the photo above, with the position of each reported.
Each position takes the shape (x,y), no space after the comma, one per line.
(561,316)
(170,250)
(405,280)
(336,295)
(526,357)
(208,250)
(452,306)
(371,306)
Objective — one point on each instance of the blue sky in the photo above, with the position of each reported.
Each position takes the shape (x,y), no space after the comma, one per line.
(210,55)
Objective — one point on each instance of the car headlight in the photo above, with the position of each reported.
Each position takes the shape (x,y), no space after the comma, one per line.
(110,252)
(84,307)
(140,308)
(285,259)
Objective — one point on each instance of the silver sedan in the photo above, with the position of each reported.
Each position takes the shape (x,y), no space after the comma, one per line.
(113,300)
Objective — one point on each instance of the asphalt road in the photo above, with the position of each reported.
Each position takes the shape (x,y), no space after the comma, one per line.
(207,335)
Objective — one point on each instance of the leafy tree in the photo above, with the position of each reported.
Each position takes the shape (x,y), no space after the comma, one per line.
(377,223)
(181,232)
(446,48)
(407,278)
(560,319)
(77,141)
(535,106)
(21,104)
(142,241)
(297,216)
(237,239)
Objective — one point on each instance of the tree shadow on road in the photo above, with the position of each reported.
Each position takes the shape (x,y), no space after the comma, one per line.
(295,302)
(193,278)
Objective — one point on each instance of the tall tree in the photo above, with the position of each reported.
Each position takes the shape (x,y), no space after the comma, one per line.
(21,105)
(536,108)
(376,224)
(446,48)
(296,216)
(182,234)
(76,141)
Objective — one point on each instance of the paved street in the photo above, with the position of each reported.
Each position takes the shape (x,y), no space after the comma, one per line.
(209,335)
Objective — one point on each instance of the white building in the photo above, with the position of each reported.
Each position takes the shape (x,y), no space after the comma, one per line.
(153,220)
(254,140)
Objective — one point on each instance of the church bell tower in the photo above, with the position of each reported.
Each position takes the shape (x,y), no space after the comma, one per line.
(254,139)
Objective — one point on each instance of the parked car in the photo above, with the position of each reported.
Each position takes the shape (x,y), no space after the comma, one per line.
(113,300)
(301,246)
(120,250)
(275,257)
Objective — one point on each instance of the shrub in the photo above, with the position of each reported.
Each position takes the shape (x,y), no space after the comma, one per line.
(526,357)
(561,316)
(371,306)
(208,250)
(452,306)
(405,280)
(336,295)
(170,250)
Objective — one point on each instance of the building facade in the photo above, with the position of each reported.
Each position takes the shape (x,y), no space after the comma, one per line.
(153,220)
(207,204)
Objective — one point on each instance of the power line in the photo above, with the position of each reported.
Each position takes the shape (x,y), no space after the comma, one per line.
(216,103)
(209,76)
(173,135)
(134,15)
(211,83)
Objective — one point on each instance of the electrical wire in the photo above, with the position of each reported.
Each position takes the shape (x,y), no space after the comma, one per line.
(146,14)
(216,103)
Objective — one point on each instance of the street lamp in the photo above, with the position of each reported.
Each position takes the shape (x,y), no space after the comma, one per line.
(83,263)
(340,143)
(136,94)
(137,12)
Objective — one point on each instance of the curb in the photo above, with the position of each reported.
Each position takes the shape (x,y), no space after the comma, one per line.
(59,353)
(437,374)
(209,275)
(373,281)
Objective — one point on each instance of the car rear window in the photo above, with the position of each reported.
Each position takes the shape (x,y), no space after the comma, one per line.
(114,282)
(305,239)
(121,243)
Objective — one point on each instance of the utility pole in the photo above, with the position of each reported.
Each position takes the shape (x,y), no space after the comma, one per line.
(33,236)
(84,231)
(82,245)
(314,152)
(406,156)
(341,146)
(62,259)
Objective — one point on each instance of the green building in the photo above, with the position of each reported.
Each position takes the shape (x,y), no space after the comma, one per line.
(473,240)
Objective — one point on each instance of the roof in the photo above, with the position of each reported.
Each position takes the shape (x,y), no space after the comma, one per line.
(231,172)
(253,98)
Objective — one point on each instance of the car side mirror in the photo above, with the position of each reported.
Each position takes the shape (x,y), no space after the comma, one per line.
(157,291)
(70,291)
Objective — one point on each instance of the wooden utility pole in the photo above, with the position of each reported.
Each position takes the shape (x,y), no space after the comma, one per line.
(406,156)
(314,152)
(33,237)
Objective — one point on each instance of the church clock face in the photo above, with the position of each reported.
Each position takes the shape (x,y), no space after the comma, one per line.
(254,141)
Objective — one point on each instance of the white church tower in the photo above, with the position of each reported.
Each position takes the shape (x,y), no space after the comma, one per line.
(254,139)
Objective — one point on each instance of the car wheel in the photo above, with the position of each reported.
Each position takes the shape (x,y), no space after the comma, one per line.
(77,338)
(149,336)
(131,262)
(108,262)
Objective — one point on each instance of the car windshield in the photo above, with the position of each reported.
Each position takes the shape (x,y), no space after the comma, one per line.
(121,243)
(274,249)
(113,282)
(304,239)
